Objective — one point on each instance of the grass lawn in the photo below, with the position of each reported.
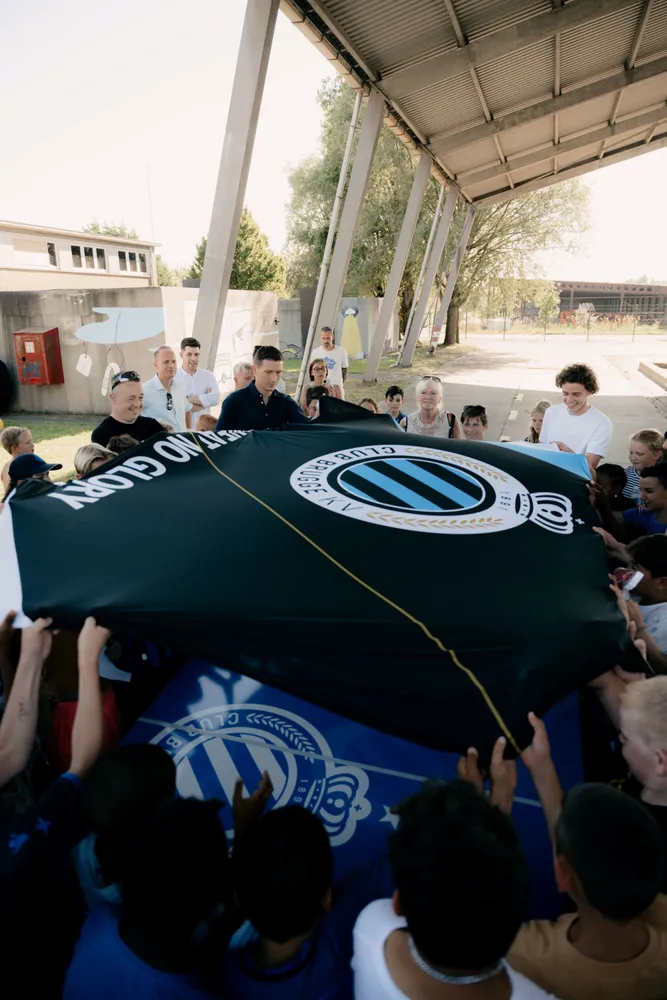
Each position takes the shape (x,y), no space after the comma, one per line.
(56,438)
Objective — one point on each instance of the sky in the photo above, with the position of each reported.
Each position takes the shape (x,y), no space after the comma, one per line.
(119,114)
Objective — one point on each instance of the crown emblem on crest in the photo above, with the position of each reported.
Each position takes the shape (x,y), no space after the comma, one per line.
(551,511)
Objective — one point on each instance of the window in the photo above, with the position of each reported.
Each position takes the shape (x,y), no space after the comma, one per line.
(142,263)
(122,260)
(88,256)
(133,260)
(76,256)
(51,250)
(101,259)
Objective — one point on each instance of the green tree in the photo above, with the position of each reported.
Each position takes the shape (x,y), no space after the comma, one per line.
(313,185)
(111,229)
(255,267)
(547,301)
(165,275)
(507,238)
(504,240)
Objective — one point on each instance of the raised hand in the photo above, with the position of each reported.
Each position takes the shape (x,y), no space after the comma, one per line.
(37,639)
(246,811)
(92,640)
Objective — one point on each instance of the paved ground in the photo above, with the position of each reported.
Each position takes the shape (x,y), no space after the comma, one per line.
(509,377)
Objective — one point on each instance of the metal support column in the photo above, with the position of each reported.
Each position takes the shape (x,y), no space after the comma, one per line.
(354,200)
(452,277)
(412,335)
(420,278)
(251,65)
(403,245)
(326,256)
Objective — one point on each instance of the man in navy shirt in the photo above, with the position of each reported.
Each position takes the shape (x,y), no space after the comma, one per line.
(260,406)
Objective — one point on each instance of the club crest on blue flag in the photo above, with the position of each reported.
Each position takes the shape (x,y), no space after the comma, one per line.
(218,745)
(219,726)
(426,489)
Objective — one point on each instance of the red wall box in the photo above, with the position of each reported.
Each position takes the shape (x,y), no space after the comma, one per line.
(38,357)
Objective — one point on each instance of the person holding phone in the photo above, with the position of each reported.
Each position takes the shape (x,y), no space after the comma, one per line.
(318,375)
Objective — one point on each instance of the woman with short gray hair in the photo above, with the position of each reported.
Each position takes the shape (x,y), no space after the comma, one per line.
(430,418)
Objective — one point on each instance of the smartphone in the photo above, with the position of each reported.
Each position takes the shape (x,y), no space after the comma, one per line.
(627,579)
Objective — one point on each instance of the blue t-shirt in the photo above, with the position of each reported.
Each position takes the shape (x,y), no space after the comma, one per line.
(647,520)
(104,967)
(321,968)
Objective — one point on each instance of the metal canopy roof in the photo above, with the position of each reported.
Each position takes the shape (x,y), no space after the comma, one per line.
(506,95)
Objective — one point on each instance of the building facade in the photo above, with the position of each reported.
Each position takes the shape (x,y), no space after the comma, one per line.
(37,257)
(646,302)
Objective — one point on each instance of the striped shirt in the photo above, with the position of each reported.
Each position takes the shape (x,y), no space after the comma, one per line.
(631,489)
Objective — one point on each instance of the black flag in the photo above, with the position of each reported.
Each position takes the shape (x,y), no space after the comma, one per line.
(436,590)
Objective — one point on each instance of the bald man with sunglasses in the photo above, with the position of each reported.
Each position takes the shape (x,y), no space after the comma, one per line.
(127,400)
(164,395)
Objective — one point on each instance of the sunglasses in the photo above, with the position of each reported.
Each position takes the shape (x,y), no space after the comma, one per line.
(125,377)
(170,401)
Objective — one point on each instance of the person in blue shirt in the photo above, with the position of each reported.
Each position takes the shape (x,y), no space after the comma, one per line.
(260,406)
(175,884)
(283,884)
(653,493)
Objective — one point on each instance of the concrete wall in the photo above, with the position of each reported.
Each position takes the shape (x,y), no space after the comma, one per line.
(17,279)
(364,312)
(289,322)
(130,324)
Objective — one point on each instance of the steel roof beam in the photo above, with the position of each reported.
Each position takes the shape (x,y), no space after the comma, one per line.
(542,109)
(497,44)
(472,177)
(587,167)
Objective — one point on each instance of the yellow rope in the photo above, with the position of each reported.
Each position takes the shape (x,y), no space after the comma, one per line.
(376,593)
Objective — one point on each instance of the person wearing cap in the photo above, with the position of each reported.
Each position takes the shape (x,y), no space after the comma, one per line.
(28,467)
(127,400)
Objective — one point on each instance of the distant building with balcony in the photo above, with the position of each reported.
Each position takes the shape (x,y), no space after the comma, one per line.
(36,257)
(647,302)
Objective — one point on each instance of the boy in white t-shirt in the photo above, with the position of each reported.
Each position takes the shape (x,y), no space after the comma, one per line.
(462,888)
(574,425)
(335,357)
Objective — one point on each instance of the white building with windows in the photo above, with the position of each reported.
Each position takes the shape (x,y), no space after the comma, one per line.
(35,257)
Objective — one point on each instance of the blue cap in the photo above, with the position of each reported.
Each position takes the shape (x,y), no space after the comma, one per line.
(26,466)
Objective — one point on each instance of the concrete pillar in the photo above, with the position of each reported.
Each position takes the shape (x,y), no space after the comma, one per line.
(354,200)
(452,277)
(412,335)
(403,245)
(251,65)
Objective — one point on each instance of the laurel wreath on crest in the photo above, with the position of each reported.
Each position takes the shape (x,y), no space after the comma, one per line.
(293,735)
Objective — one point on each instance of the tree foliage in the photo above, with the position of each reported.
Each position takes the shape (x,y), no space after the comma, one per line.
(313,188)
(256,266)
(111,229)
(505,239)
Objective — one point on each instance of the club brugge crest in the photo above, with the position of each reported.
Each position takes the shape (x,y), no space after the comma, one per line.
(426,489)
(216,746)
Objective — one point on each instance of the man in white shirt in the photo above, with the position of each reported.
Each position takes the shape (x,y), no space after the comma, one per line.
(164,396)
(335,357)
(574,425)
(462,887)
(201,388)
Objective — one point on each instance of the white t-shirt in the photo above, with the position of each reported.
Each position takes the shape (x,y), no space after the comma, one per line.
(655,619)
(336,360)
(372,979)
(196,385)
(589,433)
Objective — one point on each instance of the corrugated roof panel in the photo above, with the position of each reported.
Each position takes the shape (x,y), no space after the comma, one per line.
(545,166)
(589,115)
(518,140)
(480,154)
(644,95)
(481,17)
(391,34)
(579,155)
(445,106)
(522,78)
(598,46)
(487,187)
(655,33)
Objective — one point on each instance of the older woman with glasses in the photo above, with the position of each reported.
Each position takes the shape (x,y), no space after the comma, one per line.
(430,418)
(318,374)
